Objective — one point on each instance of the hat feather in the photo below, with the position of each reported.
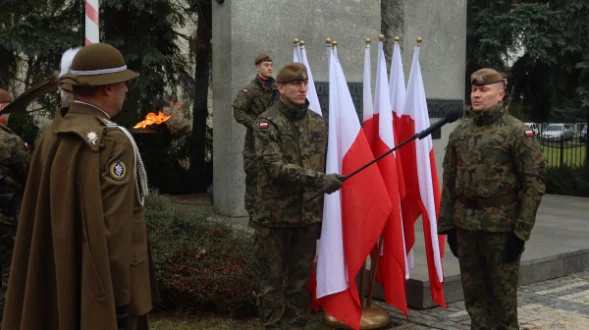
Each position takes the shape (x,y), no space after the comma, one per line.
(66,60)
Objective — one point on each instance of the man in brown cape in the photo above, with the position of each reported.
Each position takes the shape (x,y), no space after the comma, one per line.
(82,258)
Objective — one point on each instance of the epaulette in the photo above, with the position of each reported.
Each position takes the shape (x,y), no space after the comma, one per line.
(108,123)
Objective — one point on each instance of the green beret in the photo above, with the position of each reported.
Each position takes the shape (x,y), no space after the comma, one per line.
(485,76)
(292,72)
(4,96)
(98,65)
(263,57)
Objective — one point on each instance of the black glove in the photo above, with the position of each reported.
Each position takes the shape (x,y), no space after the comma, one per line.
(514,248)
(123,317)
(332,182)
(453,242)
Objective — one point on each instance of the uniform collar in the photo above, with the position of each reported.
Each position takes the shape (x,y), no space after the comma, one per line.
(490,116)
(291,111)
(268,84)
(88,108)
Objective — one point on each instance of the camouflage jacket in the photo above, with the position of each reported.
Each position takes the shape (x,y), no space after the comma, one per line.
(255,98)
(291,143)
(14,165)
(492,156)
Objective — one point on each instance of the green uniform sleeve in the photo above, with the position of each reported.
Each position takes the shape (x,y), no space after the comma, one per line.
(530,165)
(15,159)
(241,106)
(268,151)
(445,221)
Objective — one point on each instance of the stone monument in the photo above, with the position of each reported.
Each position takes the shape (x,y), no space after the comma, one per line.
(244,28)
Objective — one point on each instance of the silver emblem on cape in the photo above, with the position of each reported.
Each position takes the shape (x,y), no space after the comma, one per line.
(92,137)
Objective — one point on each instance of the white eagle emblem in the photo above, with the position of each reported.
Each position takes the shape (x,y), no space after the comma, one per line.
(92,137)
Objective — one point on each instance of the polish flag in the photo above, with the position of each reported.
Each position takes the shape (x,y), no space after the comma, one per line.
(368,109)
(419,168)
(296,53)
(397,93)
(312,91)
(354,217)
(392,266)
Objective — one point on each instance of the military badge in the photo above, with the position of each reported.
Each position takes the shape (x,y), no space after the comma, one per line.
(304,76)
(92,137)
(263,125)
(317,136)
(118,170)
(480,79)
(244,91)
(529,133)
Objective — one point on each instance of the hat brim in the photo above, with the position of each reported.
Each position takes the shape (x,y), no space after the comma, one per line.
(99,80)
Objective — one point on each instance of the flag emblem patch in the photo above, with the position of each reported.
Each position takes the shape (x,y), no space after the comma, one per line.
(263,125)
(529,133)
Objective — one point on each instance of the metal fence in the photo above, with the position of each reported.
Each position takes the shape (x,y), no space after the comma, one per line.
(562,143)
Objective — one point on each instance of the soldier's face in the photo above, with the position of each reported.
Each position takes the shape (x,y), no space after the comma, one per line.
(484,98)
(295,92)
(265,69)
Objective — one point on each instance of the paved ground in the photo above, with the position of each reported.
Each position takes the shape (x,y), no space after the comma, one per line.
(561,303)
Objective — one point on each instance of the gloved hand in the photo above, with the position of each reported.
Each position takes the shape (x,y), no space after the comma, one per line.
(123,317)
(514,247)
(332,182)
(453,242)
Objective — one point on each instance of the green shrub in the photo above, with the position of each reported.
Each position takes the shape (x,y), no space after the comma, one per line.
(200,264)
(568,180)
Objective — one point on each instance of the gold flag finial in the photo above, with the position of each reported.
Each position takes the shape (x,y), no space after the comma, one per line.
(419,40)
(328,41)
(381,37)
(368,41)
(302,43)
(397,39)
(334,44)
(295,41)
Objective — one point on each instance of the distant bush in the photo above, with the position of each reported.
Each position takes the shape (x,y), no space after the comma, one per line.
(201,265)
(568,180)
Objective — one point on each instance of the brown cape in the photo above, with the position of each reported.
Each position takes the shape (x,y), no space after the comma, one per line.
(81,246)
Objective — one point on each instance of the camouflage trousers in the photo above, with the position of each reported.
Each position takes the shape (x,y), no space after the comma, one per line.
(285,258)
(7,234)
(250,167)
(489,283)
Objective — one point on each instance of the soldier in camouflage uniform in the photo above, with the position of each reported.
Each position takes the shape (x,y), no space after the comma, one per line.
(290,143)
(14,165)
(494,179)
(255,98)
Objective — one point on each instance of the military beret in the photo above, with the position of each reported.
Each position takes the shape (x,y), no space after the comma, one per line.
(263,57)
(98,64)
(485,76)
(292,72)
(4,96)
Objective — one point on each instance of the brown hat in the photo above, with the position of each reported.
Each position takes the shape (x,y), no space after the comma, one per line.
(292,72)
(4,96)
(97,65)
(485,76)
(263,57)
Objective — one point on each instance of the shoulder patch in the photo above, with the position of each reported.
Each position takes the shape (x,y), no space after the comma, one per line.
(263,125)
(244,91)
(529,133)
(117,170)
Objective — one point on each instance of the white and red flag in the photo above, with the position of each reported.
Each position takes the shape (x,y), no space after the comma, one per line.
(392,265)
(421,177)
(354,217)
(367,106)
(312,91)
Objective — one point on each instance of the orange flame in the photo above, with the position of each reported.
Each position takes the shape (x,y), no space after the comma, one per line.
(152,119)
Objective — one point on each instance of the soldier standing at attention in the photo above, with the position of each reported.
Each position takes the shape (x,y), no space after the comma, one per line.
(255,98)
(14,166)
(82,258)
(494,180)
(290,143)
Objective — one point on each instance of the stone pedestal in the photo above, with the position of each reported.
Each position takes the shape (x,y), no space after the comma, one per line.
(241,30)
